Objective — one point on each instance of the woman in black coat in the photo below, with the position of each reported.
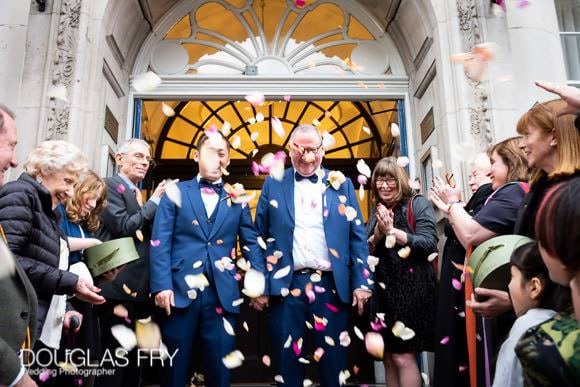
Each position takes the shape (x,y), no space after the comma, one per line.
(402,239)
(29,222)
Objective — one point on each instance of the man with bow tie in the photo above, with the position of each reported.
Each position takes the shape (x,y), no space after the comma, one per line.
(318,257)
(193,274)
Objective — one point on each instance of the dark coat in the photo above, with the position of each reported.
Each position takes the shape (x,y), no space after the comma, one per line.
(123,218)
(33,236)
(19,303)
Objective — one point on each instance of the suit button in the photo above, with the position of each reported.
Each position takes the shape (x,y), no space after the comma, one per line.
(24,315)
(209,243)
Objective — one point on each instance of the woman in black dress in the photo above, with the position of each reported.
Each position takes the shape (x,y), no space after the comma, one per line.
(451,356)
(402,239)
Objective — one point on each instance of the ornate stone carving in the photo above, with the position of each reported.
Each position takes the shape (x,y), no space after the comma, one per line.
(469,26)
(63,66)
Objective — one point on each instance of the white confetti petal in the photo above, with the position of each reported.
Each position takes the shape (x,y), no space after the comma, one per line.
(395,130)
(363,168)
(167,110)
(366,130)
(274,203)
(279,379)
(261,243)
(358,333)
(233,359)
(361,192)
(329,340)
(228,327)
(307,383)
(328,140)
(254,283)
(390,241)
(246,327)
(146,82)
(173,192)
(252,121)
(125,336)
(254,136)
(278,127)
(196,281)
(344,339)
(402,161)
(236,141)
(192,294)
(432,257)
(226,128)
(282,272)
(259,117)
(237,302)
(197,264)
(350,213)
(256,98)
(288,342)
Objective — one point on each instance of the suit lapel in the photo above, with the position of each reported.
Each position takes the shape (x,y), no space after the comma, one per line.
(194,196)
(222,209)
(288,188)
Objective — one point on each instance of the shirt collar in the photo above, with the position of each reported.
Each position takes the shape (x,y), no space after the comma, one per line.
(131,185)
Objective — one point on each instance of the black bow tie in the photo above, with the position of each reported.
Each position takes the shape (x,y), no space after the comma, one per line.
(312,178)
(216,187)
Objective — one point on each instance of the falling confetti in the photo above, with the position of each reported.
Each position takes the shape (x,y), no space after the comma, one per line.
(196,281)
(374,344)
(395,130)
(148,334)
(402,161)
(363,168)
(173,192)
(456,284)
(390,241)
(146,82)
(328,141)
(444,340)
(279,379)
(404,252)
(256,99)
(167,110)
(282,272)
(254,283)
(236,142)
(233,359)
(228,327)
(432,257)
(125,336)
(343,377)
(278,127)
(350,213)
(274,203)
(261,243)
(401,331)
(139,235)
(329,340)
(259,117)
(344,339)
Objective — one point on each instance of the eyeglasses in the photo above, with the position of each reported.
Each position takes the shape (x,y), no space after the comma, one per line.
(303,151)
(140,157)
(385,180)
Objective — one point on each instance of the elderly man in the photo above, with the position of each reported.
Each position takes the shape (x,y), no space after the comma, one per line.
(318,256)
(126,215)
(17,295)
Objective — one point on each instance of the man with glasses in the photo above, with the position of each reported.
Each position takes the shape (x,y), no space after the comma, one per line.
(126,215)
(318,256)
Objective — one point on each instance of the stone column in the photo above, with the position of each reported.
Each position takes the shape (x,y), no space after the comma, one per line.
(13,29)
(536,49)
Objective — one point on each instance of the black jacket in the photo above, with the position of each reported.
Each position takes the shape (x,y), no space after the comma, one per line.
(124,218)
(33,236)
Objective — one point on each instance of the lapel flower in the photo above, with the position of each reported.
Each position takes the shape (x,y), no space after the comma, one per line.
(237,193)
(335,179)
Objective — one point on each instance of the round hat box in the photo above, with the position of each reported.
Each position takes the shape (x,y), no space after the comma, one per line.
(490,262)
(110,255)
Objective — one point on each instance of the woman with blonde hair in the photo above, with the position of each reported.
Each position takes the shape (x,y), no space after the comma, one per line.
(551,143)
(402,234)
(27,216)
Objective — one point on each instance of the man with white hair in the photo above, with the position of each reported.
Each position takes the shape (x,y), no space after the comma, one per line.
(127,215)
(17,295)
(318,254)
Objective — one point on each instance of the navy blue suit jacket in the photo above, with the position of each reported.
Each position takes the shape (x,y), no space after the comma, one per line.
(185,238)
(346,241)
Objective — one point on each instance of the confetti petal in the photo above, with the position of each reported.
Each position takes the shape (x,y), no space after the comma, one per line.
(139,235)
(363,168)
(233,359)
(402,161)
(395,130)
(278,127)
(125,336)
(318,353)
(432,257)
(274,203)
(228,327)
(173,192)
(344,339)
(167,110)
(256,98)
(196,281)
(329,340)
(404,252)
(226,128)
(350,213)
(288,342)
(456,284)
(146,82)
(261,243)
(390,241)
(254,283)
(120,188)
(282,272)
(444,340)
(259,117)
(401,331)
(374,344)
(266,360)
(328,141)
(279,379)
(236,141)
(358,332)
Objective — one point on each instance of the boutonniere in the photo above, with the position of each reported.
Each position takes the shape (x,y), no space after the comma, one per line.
(237,194)
(335,179)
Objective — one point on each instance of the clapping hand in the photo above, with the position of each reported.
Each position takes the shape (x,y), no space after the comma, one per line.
(384,222)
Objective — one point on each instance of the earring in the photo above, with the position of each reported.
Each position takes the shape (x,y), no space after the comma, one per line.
(553,143)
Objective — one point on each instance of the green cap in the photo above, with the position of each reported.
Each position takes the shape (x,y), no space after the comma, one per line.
(110,255)
(490,262)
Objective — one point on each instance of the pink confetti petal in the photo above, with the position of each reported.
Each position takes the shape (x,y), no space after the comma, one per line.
(120,188)
(462,368)
(319,326)
(444,340)
(300,3)
(297,350)
(377,325)
(44,375)
(208,191)
(155,243)
(366,273)
(362,179)
(219,310)
(255,168)
(456,284)
(319,289)
(256,99)
(332,308)
(278,127)
(287,98)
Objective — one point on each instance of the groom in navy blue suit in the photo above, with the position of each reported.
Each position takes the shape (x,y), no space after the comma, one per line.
(192,275)
(318,260)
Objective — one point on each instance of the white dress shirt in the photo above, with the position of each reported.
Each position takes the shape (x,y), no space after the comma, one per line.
(210,199)
(309,248)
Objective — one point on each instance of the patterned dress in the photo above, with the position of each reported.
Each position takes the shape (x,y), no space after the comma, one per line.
(550,353)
